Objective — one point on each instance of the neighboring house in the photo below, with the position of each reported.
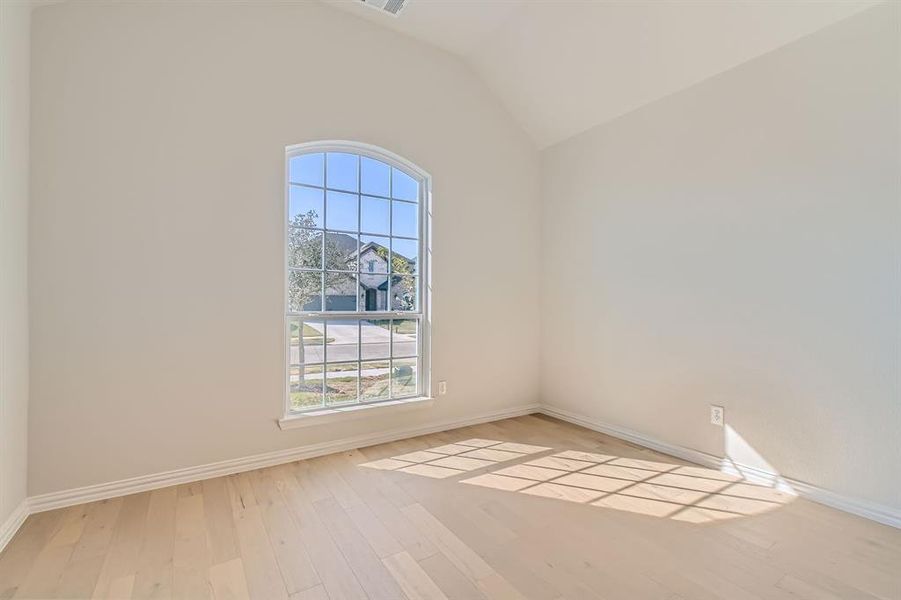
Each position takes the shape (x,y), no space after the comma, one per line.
(373,280)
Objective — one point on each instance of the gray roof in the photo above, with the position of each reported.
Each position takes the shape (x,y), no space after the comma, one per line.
(375,246)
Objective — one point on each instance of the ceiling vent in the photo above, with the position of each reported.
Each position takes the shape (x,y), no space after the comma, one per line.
(392,7)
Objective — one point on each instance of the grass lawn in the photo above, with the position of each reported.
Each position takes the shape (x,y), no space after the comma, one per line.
(309,332)
(373,388)
(311,336)
(405,326)
(309,395)
(342,390)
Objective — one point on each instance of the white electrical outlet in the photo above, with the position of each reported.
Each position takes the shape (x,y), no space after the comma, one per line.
(442,388)
(717,415)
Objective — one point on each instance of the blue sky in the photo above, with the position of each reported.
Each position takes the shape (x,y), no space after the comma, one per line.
(345,172)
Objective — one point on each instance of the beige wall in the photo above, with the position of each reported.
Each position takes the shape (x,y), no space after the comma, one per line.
(738,243)
(156,232)
(14,107)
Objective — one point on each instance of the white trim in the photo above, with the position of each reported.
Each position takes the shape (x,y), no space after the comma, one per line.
(12,523)
(143,483)
(880,513)
(352,412)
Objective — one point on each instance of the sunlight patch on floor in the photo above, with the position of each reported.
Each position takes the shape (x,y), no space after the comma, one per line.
(682,493)
(679,492)
(455,459)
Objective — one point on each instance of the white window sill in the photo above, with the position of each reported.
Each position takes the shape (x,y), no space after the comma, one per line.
(349,413)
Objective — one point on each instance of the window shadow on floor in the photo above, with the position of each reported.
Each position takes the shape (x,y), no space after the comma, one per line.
(673,491)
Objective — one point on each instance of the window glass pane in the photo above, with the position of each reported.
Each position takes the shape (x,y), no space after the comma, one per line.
(404,187)
(373,292)
(403,336)
(374,380)
(405,255)
(352,247)
(342,171)
(304,291)
(293,341)
(340,251)
(306,168)
(403,377)
(375,177)
(313,349)
(375,215)
(373,264)
(305,387)
(403,292)
(305,206)
(404,219)
(374,253)
(375,339)
(340,291)
(341,211)
(342,340)
(341,383)
(304,248)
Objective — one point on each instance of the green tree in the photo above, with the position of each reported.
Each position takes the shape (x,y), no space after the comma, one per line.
(403,284)
(399,264)
(403,288)
(305,251)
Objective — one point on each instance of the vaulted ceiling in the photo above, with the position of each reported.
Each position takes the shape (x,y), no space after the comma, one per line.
(562,67)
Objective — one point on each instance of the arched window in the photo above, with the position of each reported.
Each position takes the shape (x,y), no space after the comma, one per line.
(356,276)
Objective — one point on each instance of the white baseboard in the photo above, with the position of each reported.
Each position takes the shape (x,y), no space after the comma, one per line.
(11,525)
(143,483)
(634,437)
(863,508)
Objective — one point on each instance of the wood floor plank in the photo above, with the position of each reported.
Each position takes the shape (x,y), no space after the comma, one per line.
(79,578)
(452,582)
(330,467)
(371,573)
(45,573)
(497,588)
(121,560)
(24,548)
(120,588)
(228,582)
(98,529)
(400,528)
(220,525)
(313,593)
(371,486)
(290,552)
(261,569)
(71,527)
(471,564)
(191,554)
(415,582)
(337,577)
(153,577)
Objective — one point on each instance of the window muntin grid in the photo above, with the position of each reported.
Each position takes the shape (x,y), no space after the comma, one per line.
(335,292)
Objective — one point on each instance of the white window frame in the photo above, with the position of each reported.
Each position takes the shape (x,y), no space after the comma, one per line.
(292,418)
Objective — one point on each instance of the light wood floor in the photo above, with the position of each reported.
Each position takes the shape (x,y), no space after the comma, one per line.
(523,508)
